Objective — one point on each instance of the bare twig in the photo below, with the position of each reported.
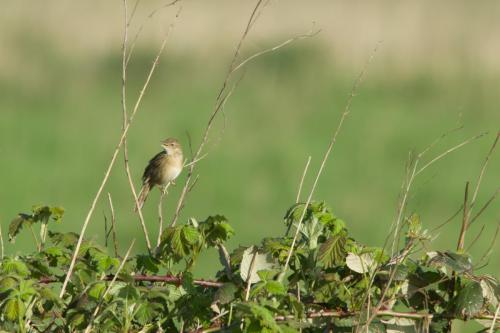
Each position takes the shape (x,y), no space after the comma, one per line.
(463,229)
(1,242)
(141,27)
(448,220)
(274,48)
(411,177)
(125,121)
(113,225)
(103,297)
(481,174)
(111,165)
(302,179)
(160,213)
(490,200)
(333,140)
(490,247)
(452,149)
(476,238)
(223,96)
(494,321)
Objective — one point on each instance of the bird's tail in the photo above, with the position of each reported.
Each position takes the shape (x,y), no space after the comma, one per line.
(142,196)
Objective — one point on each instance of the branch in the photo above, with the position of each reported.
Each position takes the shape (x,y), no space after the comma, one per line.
(333,140)
(171,279)
(302,179)
(110,167)
(103,297)
(223,95)
(113,224)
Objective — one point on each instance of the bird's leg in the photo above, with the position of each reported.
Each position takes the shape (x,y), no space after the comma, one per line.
(164,189)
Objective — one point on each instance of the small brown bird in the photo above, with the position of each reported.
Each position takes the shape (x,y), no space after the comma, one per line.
(162,169)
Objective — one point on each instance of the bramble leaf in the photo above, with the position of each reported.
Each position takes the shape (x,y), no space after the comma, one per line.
(332,252)
(469,300)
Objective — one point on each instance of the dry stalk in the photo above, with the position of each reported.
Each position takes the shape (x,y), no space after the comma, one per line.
(223,96)
(333,140)
(141,27)
(112,163)
(490,200)
(125,118)
(1,242)
(463,229)
(160,213)
(481,174)
(302,179)
(397,228)
(113,225)
(103,297)
(494,321)
(219,102)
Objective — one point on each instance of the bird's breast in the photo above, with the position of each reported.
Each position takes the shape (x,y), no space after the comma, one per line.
(172,168)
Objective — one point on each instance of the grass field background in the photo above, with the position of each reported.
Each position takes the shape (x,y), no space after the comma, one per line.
(60,114)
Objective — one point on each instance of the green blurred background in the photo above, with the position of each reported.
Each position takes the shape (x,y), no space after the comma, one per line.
(437,66)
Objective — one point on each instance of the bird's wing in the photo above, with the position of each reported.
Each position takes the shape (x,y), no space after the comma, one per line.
(151,171)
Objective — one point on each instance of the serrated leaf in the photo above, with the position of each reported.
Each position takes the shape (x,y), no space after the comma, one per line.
(275,288)
(225,294)
(147,263)
(14,266)
(363,263)
(332,251)
(216,230)
(67,240)
(262,261)
(146,312)
(17,223)
(190,234)
(14,309)
(129,292)
(97,290)
(469,300)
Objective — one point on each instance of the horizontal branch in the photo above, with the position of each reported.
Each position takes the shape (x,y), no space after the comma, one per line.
(171,279)
(345,314)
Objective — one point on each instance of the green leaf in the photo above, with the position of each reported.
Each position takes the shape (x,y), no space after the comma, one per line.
(17,223)
(97,290)
(105,262)
(67,240)
(216,230)
(14,266)
(225,294)
(57,213)
(146,312)
(275,288)
(190,235)
(147,263)
(332,251)
(469,300)
(14,309)
(129,292)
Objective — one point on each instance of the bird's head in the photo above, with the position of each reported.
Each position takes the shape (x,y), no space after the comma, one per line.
(171,146)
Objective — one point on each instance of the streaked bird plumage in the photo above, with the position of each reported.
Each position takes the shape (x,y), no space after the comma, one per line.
(162,169)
